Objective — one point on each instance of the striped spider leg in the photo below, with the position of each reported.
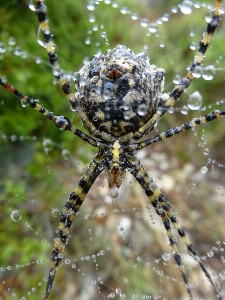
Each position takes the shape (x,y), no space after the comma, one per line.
(119,100)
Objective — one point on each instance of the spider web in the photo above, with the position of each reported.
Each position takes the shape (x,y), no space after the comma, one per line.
(118,248)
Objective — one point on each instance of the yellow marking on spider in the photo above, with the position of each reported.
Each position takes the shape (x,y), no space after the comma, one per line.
(170,101)
(66,231)
(116,151)
(50,47)
(61,226)
(100,115)
(44,26)
(86,178)
(156,193)
(58,244)
(78,190)
(82,196)
(198,57)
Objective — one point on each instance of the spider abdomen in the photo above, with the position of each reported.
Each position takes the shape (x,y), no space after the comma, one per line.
(119,91)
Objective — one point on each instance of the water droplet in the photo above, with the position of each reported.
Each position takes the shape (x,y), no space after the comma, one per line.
(91,6)
(208,72)
(166,256)
(95,28)
(115,4)
(13,138)
(38,60)
(193,46)
(31,6)
(134,16)
(206,151)
(144,23)
(153,27)
(2,47)
(209,16)
(48,145)
(40,38)
(87,41)
(186,7)
(174,10)
(194,101)
(142,109)
(18,51)
(65,154)
(55,212)
(114,192)
(210,254)
(88,217)
(16,215)
(177,79)
(92,18)
(82,81)
(127,114)
(197,72)
(184,110)
(165,18)
(103,35)
(204,170)
(139,258)
(124,10)
(118,291)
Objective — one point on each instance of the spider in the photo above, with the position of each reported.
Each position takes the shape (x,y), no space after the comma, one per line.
(119,99)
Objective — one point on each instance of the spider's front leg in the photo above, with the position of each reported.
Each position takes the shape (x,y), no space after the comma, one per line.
(178,129)
(178,90)
(168,217)
(61,122)
(69,212)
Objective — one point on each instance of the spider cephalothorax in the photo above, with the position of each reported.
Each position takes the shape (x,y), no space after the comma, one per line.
(120,91)
(119,100)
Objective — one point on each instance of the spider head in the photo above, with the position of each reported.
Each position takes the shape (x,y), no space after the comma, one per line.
(119,91)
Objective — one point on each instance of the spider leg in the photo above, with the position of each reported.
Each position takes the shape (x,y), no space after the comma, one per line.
(187,79)
(168,217)
(176,130)
(69,212)
(61,122)
(62,78)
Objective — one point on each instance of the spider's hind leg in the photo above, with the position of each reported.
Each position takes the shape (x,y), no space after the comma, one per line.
(69,212)
(168,217)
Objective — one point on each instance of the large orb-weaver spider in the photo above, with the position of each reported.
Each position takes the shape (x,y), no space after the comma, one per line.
(119,100)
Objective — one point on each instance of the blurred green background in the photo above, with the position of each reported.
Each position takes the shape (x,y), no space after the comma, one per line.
(36,179)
